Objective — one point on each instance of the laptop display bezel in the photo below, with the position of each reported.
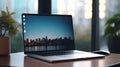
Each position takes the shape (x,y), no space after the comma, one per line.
(46,15)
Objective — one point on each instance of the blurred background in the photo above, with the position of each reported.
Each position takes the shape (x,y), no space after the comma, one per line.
(81,10)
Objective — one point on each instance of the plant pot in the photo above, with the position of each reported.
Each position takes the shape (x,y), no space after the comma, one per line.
(4,46)
(114,44)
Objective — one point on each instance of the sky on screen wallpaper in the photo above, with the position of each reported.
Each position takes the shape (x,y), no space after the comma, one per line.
(51,26)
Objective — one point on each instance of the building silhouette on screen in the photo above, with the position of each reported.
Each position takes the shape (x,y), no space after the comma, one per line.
(44,44)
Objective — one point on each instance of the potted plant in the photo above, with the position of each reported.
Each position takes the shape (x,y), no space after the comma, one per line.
(112,32)
(8,27)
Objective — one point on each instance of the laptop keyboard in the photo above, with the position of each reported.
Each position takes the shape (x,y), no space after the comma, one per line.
(55,53)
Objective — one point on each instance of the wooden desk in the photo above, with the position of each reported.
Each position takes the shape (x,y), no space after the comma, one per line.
(20,60)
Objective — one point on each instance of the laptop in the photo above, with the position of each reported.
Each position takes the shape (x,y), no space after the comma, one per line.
(51,38)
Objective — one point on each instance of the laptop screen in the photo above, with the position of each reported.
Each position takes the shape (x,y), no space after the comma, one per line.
(47,32)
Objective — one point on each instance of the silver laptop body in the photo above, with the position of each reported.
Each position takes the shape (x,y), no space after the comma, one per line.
(51,38)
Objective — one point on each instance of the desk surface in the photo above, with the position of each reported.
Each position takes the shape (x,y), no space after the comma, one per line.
(20,60)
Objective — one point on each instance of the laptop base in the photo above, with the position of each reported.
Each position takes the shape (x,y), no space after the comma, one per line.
(75,55)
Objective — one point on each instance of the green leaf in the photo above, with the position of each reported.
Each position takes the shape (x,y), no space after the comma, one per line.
(9,22)
(112,30)
(12,13)
(4,13)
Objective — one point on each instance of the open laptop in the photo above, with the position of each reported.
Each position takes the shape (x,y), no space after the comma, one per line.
(51,38)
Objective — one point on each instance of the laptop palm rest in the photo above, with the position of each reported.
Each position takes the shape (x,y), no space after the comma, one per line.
(73,55)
